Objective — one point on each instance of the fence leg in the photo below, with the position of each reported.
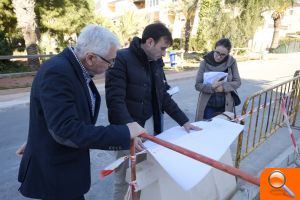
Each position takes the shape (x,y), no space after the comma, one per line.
(297,85)
(133,170)
(239,150)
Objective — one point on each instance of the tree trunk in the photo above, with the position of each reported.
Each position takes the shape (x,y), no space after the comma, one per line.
(190,17)
(25,14)
(277,24)
(187,34)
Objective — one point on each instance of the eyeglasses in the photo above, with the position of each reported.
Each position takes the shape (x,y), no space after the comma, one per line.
(220,54)
(110,63)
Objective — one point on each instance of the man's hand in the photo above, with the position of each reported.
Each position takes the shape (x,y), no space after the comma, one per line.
(135,129)
(138,144)
(21,150)
(188,126)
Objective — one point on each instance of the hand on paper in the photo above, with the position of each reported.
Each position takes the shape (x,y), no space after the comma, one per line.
(188,126)
(21,150)
(135,129)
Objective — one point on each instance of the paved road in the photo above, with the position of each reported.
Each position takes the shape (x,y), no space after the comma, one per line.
(256,75)
(14,132)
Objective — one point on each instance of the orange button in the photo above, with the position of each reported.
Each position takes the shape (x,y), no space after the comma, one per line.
(280,183)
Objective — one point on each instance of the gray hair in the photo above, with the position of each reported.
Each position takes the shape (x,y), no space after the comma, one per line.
(96,39)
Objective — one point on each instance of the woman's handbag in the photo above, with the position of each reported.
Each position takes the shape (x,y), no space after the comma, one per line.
(236,98)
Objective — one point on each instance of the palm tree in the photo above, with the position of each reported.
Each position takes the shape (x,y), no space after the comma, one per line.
(277,16)
(129,25)
(188,9)
(26,20)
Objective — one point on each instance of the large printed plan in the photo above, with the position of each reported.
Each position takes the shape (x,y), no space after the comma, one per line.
(213,141)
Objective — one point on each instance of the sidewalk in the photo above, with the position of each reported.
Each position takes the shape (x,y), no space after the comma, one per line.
(276,152)
(20,96)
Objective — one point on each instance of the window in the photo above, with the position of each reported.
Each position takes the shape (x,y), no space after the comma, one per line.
(153,3)
(112,7)
(139,3)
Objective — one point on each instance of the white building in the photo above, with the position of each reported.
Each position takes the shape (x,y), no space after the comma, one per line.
(163,10)
(155,10)
(263,37)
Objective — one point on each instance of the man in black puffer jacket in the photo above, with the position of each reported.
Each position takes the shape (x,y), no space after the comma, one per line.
(136,90)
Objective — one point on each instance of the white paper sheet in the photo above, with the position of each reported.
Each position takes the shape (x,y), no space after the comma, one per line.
(173,90)
(211,77)
(213,141)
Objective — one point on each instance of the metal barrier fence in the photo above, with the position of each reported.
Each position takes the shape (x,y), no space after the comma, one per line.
(33,62)
(264,116)
(288,47)
(10,57)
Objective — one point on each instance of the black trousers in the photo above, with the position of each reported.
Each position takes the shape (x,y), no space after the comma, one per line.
(77,198)
(80,198)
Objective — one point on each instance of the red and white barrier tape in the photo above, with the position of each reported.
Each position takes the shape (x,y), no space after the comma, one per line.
(242,117)
(113,166)
(134,185)
(286,120)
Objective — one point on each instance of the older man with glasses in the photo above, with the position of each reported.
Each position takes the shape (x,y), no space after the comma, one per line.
(110,63)
(64,107)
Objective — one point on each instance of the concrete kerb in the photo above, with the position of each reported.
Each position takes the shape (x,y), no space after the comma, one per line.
(247,191)
(16,75)
(12,100)
(22,98)
(181,75)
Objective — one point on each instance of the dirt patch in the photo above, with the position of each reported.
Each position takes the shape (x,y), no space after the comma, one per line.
(25,81)
(16,82)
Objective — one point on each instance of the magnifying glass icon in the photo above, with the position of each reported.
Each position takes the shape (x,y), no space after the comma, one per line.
(277,180)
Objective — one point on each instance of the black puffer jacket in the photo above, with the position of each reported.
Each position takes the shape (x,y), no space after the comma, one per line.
(127,89)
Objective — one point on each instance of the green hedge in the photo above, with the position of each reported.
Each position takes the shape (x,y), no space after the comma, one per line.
(194,45)
(288,40)
(13,67)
